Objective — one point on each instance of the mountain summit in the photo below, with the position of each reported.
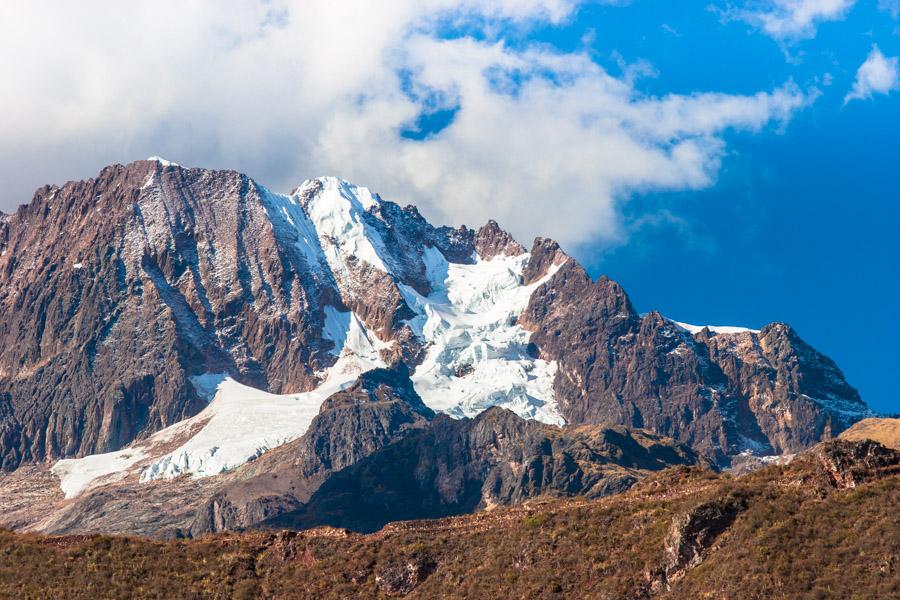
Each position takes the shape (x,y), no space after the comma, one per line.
(184,321)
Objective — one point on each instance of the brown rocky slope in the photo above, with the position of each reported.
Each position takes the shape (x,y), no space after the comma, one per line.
(722,393)
(373,454)
(792,531)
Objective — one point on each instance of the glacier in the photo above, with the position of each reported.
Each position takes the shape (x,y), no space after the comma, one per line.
(469,325)
(238,425)
(475,354)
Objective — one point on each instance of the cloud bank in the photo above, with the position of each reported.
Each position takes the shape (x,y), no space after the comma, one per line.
(790,19)
(547,142)
(877,75)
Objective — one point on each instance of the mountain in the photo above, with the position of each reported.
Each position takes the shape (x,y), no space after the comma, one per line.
(122,290)
(823,526)
(496,459)
(449,467)
(722,390)
(374,453)
(163,321)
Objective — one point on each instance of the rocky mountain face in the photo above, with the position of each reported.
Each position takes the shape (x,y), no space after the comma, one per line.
(496,459)
(122,294)
(722,392)
(371,457)
(380,408)
(374,453)
(116,290)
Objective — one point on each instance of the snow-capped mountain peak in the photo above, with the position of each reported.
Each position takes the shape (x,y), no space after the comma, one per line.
(386,289)
(196,278)
(163,161)
(337,209)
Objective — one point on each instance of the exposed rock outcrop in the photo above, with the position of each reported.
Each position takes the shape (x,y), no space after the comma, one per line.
(380,408)
(458,466)
(545,253)
(722,393)
(693,533)
(403,575)
(491,241)
(846,464)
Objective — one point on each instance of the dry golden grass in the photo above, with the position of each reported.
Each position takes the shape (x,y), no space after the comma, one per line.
(885,431)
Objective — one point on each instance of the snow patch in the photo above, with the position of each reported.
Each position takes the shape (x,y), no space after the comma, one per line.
(164,162)
(78,474)
(714,328)
(149,181)
(350,335)
(77,266)
(207,384)
(851,411)
(243,422)
(239,424)
(336,214)
(286,213)
(336,328)
(477,356)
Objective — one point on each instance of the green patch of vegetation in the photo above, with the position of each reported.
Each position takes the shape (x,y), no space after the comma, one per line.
(535,521)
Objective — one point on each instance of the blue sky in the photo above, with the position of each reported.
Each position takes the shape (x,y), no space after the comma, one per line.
(730,162)
(802,224)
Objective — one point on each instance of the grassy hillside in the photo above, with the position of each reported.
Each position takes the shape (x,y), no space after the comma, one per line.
(793,531)
(885,431)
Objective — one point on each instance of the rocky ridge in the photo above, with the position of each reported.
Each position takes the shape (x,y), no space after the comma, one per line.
(122,290)
(495,459)
(766,391)
(374,453)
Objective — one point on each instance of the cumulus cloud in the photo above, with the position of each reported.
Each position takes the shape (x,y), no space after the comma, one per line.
(544,141)
(877,75)
(790,19)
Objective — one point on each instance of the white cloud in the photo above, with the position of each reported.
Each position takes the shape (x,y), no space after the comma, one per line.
(546,142)
(877,75)
(790,19)
(892,7)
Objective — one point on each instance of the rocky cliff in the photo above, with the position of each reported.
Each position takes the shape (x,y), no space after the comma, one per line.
(122,294)
(722,392)
(496,459)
